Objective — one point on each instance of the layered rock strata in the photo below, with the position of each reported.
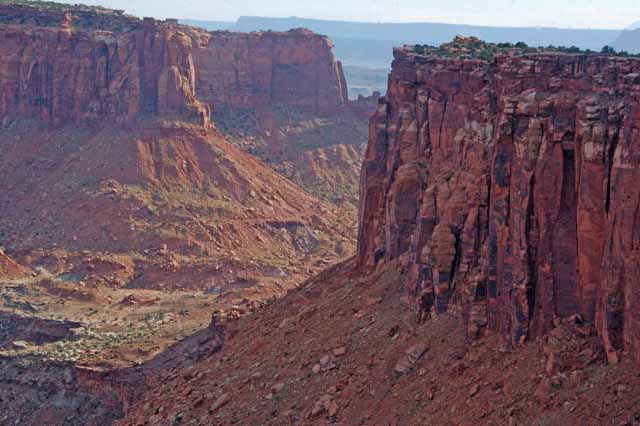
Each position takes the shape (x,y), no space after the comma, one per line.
(76,65)
(510,188)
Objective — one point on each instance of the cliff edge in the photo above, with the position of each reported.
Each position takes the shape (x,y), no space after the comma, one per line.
(508,187)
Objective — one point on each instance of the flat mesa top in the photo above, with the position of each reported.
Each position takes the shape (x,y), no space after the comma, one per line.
(462,47)
(50,14)
(46,14)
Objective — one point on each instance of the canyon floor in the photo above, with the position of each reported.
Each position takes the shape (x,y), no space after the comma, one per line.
(182,225)
(341,349)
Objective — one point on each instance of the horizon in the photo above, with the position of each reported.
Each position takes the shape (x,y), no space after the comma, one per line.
(567,14)
(305,18)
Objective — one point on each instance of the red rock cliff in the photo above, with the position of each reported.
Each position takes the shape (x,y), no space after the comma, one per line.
(511,188)
(296,69)
(85,64)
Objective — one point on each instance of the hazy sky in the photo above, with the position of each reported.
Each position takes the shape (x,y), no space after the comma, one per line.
(562,13)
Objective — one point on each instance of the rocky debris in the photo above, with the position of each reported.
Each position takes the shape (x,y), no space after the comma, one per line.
(341,351)
(132,300)
(277,387)
(83,396)
(411,358)
(572,345)
(325,405)
(21,305)
(9,269)
(504,185)
(220,402)
(474,391)
(17,330)
(325,363)
(488,386)
(216,334)
(20,345)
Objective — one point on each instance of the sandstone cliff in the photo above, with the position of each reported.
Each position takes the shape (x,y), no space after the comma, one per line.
(509,188)
(64,66)
(256,70)
(63,74)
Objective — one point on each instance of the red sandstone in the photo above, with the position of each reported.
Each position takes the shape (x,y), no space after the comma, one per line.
(511,189)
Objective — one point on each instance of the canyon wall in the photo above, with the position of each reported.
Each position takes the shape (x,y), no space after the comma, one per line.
(255,70)
(106,116)
(65,75)
(86,64)
(510,189)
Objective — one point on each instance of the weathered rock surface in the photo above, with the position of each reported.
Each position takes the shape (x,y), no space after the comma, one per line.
(254,70)
(37,331)
(410,358)
(124,68)
(510,189)
(119,76)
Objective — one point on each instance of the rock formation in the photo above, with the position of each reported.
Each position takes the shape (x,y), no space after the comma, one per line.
(108,117)
(9,268)
(61,74)
(296,69)
(509,188)
(267,91)
(124,69)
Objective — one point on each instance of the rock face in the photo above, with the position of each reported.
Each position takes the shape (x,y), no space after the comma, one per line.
(9,268)
(510,189)
(117,76)
(296,69)
(124,69)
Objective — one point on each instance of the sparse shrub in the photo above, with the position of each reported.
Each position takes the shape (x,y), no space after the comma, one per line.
(608,50)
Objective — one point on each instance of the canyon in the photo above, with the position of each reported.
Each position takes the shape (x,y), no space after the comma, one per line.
(127,216)
(179,243)
(281,96)
(108,116)
(493,282)
(126,211)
